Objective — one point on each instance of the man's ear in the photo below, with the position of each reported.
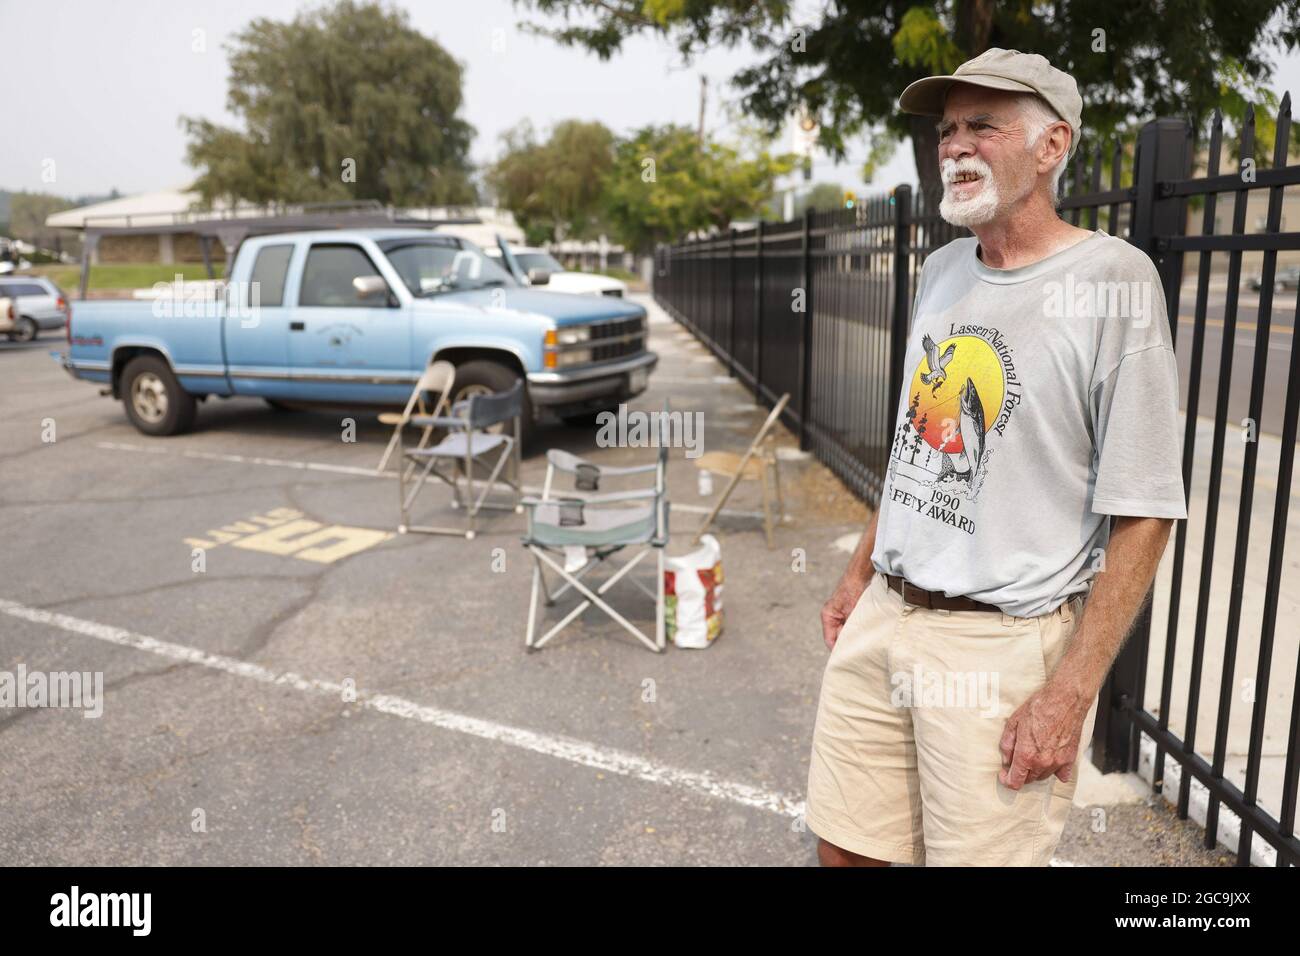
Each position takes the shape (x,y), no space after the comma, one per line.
(1054,146)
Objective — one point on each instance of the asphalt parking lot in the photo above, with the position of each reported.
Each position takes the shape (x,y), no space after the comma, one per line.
(593,750)
(325,691)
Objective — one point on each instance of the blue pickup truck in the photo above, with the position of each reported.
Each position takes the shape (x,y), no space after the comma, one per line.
(350,318)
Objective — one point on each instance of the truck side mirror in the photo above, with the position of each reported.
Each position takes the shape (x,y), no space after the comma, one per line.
(369,287)
(538,277)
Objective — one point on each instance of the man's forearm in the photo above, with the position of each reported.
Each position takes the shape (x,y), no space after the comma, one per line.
(860,570)
(1132,557)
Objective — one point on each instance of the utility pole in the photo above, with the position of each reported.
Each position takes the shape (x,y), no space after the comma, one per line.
(704,96)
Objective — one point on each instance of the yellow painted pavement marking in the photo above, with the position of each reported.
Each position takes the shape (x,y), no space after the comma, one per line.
(285,532)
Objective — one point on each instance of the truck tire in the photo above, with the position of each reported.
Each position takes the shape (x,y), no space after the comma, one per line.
(25,330)
(154,401)
(482,376)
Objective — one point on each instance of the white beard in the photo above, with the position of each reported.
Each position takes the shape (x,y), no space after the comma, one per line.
(976,210)
(971,212)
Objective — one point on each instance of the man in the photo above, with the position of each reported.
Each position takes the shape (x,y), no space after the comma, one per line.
(1040,401)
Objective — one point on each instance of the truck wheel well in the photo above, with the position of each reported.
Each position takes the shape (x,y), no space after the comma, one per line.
(459,356)
(124,355)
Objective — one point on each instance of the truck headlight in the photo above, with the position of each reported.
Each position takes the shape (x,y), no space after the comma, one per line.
(562,347)
(574,357)
(574,334)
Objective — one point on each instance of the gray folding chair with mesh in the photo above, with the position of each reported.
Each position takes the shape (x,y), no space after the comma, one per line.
(758,461)
(575,532)
(468,443)
(438,379)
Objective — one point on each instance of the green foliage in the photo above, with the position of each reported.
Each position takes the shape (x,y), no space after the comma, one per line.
(554,188)
(665,183)
(1166,58)
(351,81)
(822,196)
(923,41)
(27,214)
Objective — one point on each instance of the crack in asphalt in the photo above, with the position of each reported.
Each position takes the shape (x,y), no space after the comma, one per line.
(262,634)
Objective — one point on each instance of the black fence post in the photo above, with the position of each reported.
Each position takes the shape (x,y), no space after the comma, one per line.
(758,308)
(805,341)
(731,301)
(1158,216)
(902,301)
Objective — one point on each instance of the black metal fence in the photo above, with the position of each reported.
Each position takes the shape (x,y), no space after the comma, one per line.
(819,307)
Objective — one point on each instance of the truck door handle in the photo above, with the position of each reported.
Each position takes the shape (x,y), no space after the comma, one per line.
(297,326)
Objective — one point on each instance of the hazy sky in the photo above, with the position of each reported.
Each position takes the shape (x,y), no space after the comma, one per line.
(98,86)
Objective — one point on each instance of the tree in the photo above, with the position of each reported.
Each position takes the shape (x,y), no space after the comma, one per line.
(665,183)
(920,433)
(344,102)
(849,65)
(27,215)
(822,196)
(555,188)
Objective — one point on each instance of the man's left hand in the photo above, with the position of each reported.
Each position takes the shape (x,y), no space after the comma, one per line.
(1042,737)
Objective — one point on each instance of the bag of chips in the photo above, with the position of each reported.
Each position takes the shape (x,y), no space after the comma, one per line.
(693,595)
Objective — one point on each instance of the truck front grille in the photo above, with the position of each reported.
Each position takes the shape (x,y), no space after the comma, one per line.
(628,333)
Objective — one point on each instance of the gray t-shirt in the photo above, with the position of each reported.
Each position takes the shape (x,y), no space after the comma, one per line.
(1037,401)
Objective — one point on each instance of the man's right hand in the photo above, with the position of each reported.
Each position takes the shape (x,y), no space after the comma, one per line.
(841,604)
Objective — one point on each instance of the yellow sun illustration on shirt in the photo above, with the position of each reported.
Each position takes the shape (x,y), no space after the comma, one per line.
(973,358)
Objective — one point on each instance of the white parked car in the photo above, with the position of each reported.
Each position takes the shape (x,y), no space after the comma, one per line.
(37,303)
(540,268)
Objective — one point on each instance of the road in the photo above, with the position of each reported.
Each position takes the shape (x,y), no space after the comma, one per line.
(1242,358)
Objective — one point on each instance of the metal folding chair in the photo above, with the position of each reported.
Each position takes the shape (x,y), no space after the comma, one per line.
(452,460)
(759,459)
(438,379)
(586,528)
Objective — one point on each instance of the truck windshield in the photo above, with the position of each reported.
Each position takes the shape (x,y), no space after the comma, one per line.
(430,268)
(538,260)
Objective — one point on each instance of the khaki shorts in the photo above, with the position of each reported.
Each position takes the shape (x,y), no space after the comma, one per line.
(905,756)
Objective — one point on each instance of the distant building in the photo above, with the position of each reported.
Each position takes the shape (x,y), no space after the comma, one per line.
(170,226)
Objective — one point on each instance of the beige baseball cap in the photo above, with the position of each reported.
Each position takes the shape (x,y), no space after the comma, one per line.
(998,69)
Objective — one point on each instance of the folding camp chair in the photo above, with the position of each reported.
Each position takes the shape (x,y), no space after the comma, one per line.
(467,443)
(759,459)
(437,378)
(587,528)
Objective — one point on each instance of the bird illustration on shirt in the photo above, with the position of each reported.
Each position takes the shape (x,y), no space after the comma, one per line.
(936,362)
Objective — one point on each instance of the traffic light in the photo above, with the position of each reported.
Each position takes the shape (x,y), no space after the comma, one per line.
(850,199)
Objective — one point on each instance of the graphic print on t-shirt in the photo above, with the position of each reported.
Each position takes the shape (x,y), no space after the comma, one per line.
(960,399)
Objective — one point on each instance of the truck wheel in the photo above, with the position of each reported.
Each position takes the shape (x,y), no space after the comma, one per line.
(482,377)
(154,401)
(25,330)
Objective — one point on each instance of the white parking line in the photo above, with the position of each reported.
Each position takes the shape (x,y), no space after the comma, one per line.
(563,748)
(250,460)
